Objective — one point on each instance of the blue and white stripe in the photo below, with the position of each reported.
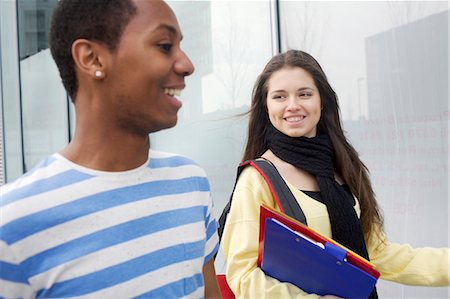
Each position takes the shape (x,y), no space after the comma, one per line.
(67,231)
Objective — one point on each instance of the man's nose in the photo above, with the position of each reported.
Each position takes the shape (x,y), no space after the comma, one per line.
(183,65)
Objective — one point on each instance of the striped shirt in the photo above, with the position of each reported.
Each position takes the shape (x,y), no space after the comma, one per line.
(69,231)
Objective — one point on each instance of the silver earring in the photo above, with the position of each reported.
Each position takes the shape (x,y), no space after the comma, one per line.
(98,74)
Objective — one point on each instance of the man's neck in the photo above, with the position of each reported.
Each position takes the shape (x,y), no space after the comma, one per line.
(112,153)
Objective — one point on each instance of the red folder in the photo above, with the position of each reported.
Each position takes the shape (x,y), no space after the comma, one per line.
(351,257)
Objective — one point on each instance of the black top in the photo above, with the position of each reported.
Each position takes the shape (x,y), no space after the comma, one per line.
(317,196)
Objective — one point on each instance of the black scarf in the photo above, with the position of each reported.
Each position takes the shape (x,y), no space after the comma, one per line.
(316,156)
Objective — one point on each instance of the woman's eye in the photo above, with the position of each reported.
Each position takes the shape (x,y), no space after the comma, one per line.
(165,47)
(306,95)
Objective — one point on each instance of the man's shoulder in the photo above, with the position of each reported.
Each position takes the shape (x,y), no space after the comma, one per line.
(49,173)
(160,159)
(38,172)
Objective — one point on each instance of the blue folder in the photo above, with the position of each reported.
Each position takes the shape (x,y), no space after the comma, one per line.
(313,267)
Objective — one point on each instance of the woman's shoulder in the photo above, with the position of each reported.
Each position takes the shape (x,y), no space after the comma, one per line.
(250,175)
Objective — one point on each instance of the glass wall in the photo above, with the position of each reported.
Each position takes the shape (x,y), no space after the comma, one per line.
(11,117)
(388,63)
(2,157)
(227,60)
(44,102)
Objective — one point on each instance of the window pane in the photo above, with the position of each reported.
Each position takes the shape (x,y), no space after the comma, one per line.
(227,60)
(44,104)
(34,23)
(2,157)
(10,91)
(388,63)
(229,43)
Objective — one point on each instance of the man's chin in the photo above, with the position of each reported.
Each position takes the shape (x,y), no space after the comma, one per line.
(165,126)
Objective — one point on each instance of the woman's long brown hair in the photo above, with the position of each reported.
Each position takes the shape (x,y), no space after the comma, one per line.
(347,162)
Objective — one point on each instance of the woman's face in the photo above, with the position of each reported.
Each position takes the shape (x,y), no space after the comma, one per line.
(293,102)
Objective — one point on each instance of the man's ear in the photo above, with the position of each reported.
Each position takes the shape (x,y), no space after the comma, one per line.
(90,58)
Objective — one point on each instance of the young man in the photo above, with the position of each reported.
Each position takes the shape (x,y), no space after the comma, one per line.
(107,216)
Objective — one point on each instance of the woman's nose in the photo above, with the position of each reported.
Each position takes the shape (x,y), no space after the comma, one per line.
(293,104)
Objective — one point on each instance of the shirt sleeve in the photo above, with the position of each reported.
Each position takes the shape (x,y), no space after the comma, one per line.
(240,243)
(407,265)
(212,237)
(13,281)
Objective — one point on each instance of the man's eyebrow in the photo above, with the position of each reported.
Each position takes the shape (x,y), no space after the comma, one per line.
(169,28)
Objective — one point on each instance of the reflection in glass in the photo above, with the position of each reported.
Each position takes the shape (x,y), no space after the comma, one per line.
(229,43)
(44,105)
(34,23)
(388,63)
(227,60)
(12,134)
(2,157)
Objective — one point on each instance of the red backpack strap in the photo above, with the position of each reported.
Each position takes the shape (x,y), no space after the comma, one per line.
(280,192)
(263,172)
(283,196)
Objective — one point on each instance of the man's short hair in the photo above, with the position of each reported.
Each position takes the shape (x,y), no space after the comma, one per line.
(97,20)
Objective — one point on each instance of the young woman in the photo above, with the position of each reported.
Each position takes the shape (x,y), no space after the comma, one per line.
(295,124)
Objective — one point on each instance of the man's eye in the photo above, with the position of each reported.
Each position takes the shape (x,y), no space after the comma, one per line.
(166,47)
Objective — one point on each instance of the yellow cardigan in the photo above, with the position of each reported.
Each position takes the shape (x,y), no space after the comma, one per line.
(396,262)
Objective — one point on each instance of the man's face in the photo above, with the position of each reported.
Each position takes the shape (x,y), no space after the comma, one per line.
(147,70)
